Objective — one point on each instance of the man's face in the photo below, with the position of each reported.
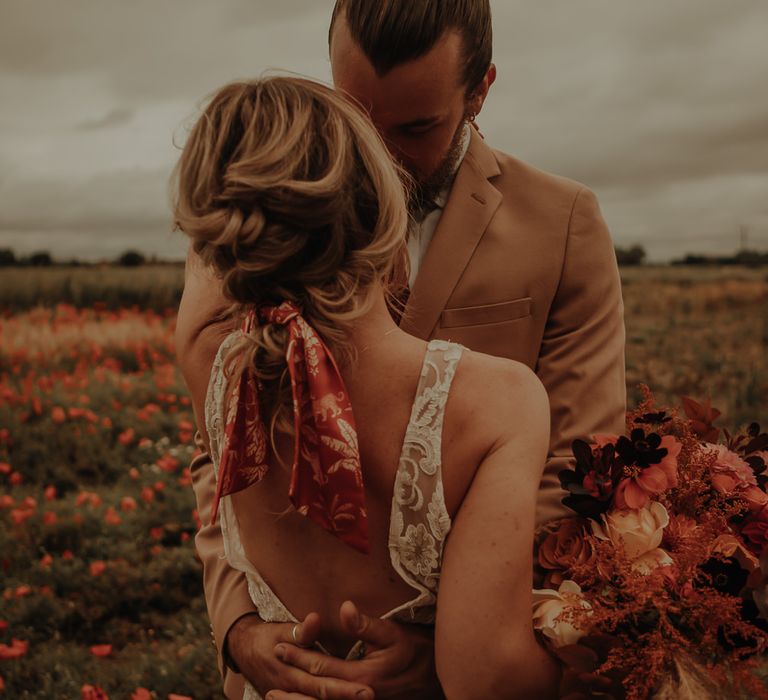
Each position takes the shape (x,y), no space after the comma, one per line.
(418,107)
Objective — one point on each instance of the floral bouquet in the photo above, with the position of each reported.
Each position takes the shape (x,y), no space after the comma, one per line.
(658,586)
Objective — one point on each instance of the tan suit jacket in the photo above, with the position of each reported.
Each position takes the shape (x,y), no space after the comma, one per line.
(522,266)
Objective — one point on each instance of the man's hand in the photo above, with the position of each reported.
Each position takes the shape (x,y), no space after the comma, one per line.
(251,644)
(399,662)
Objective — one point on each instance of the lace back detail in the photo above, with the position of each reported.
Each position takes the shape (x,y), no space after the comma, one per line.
(420,522)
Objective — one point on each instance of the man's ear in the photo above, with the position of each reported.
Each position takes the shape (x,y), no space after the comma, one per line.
(477,98)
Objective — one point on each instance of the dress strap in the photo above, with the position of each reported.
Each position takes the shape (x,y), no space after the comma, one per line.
(420,521)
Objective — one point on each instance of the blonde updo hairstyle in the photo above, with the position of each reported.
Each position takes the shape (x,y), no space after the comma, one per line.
(287,191)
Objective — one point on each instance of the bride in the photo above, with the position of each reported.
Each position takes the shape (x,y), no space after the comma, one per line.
(353,461)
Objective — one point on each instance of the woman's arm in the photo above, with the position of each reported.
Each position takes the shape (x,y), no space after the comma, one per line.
(484,640)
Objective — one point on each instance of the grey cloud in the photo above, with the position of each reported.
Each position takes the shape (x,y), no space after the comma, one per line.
(635,94)
(121,200)
(660,108)
(155,50)
(115,117)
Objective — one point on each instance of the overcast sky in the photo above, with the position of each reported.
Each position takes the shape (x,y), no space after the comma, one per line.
(660,107)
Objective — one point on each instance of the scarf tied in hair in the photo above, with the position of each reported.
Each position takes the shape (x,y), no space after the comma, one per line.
(326,477)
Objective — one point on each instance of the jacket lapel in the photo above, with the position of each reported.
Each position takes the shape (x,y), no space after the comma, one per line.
(472,202)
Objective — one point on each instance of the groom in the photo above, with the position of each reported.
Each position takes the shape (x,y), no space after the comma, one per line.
(505,259)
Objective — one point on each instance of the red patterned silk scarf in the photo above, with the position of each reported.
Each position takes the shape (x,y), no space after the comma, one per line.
(326,477)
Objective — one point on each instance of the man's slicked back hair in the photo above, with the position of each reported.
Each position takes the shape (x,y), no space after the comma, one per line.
(392,32)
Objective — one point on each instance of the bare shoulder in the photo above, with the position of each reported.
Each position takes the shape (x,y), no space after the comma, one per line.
(505,400)
(203,322)
(501,383)
(203,312)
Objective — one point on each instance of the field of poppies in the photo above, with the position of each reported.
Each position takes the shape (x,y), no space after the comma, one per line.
(100,585)
(101,589)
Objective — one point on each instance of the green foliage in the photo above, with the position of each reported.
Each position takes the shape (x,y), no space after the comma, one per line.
(630,256)
(7,257)
(41,258)
(131,258)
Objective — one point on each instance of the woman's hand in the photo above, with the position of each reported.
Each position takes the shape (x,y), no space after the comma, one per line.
(252,644)
(399,662)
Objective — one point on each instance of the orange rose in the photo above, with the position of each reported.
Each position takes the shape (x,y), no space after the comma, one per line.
(564,548)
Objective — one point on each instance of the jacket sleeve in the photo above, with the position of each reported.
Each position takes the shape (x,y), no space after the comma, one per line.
(581,361)
(226,590)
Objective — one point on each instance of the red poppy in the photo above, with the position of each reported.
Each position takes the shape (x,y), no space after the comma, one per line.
(126,437)
(111,517)
(128,503)
(167,463)
(93,692)
(101,650)
(19,515)
(15,650)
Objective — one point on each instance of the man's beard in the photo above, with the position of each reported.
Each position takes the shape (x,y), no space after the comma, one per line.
(426,191)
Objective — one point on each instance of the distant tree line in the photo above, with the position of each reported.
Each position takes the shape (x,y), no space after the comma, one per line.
(632,256)
(42,258)
(750,258)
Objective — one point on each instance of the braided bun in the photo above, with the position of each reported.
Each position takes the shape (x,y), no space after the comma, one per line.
(288,192)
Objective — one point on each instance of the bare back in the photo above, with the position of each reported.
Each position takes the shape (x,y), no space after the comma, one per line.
(310,569)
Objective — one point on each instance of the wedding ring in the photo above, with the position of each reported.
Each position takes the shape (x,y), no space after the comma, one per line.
(293,633)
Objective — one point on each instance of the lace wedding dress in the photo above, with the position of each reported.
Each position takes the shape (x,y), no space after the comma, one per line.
(419,521)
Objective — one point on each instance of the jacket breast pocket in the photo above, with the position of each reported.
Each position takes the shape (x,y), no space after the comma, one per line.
(505,329)
(486,313)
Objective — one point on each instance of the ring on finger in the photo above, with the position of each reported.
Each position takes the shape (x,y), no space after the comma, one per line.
(293,633)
